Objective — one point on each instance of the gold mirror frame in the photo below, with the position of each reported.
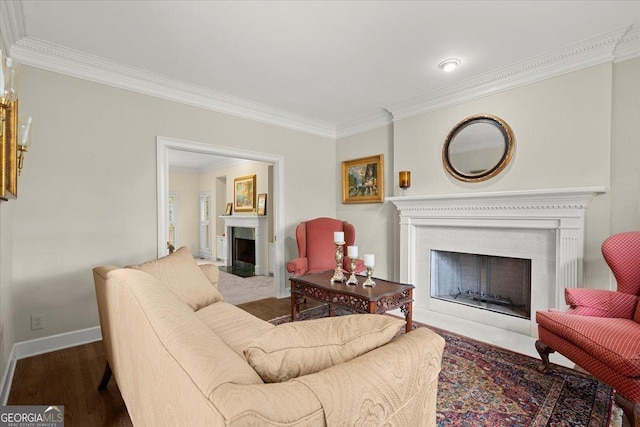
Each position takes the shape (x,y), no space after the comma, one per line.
(8,149)
(491,170)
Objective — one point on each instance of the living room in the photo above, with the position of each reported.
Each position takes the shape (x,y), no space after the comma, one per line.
(88,190)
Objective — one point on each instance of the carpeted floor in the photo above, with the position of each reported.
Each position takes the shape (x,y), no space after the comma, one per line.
(237,290)
(483,385)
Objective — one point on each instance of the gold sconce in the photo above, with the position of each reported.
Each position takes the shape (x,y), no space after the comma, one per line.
(14,140)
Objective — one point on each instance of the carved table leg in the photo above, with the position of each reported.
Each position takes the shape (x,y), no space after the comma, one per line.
(295,305)
(544,351)
(407,309)
(631,410)
(105,377)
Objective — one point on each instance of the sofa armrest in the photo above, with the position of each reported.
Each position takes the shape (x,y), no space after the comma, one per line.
(600,303)
(298,266)
(394,384)
(212,272)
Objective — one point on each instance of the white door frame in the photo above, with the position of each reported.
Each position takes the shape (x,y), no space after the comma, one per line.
(164,144)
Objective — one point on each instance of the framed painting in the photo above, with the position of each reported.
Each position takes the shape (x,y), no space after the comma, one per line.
(229,209)
(262,204)
(244,193)
(363,180)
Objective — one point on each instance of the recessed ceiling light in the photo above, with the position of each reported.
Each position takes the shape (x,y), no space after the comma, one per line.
(448,65)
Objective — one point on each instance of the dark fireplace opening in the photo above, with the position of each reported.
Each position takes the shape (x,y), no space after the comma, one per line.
(499,284)
(243,249)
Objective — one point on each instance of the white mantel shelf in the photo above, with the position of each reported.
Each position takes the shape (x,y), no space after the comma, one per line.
(525,199)
(560,210)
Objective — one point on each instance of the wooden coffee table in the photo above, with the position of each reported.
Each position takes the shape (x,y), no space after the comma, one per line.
(384,296)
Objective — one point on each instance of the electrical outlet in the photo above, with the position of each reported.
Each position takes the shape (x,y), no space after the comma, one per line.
(37,322)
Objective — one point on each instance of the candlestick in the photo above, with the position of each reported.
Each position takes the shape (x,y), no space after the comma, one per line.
(338,275)
(369,263)
(353,280)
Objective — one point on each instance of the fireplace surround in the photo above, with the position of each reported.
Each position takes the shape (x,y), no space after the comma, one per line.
(544,226)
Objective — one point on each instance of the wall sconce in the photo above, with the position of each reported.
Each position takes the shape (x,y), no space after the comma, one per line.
(404,180)
(13,140)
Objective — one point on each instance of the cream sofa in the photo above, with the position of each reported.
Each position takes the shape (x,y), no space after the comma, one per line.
(182,356)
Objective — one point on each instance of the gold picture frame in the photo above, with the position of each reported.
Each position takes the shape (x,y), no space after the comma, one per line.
(244,193)
(262,204)
(229,209)
(363,180)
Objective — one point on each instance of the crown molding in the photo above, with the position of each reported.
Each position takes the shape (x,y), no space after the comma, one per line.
(48,56)
(629,46)
(365,123)
(11,22)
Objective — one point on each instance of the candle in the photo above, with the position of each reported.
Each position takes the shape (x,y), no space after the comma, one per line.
(338,237)
(352,251)
(25,135)
(369,260)
(405,179)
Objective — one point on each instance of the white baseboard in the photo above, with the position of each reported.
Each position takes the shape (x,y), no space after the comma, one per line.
(24,349)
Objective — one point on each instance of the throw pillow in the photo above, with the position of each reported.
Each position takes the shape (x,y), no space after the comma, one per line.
(180,273)
(294,349)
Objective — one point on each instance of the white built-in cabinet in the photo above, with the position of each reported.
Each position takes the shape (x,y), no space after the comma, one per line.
(221,249)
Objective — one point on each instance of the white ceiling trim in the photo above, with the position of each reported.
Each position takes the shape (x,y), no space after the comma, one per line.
(590,52)
(11,22)
(41,54)
(365,123)
(629,46)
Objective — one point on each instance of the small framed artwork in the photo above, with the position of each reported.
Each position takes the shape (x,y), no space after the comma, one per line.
(229,209)
(363,180)
(244,193)
(262,204)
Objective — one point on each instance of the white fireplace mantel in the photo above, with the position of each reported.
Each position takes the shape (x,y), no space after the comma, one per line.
(557,210)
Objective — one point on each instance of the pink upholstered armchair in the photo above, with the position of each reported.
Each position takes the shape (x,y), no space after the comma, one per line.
(600,331)
(316,250)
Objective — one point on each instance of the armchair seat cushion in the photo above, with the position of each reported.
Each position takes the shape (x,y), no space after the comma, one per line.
(613,341)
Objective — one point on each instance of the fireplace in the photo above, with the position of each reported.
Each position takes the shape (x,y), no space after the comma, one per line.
(247,242)
(495,283)
(543,227)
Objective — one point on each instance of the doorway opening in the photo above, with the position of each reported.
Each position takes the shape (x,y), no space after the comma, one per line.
(276,199)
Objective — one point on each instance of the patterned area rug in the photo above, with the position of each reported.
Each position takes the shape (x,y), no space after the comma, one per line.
(483,385)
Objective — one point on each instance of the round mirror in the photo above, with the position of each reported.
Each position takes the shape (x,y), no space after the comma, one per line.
(478,148)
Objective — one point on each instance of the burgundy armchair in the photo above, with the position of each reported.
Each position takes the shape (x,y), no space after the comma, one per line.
(600,331)
(316,250)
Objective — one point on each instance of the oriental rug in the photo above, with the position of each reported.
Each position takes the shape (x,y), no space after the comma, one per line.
(484,385)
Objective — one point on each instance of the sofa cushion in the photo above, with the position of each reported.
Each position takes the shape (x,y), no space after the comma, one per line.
(180,273)
(294,349)
(616,342)
(236,327)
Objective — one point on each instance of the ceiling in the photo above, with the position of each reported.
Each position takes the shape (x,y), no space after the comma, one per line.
(332,68)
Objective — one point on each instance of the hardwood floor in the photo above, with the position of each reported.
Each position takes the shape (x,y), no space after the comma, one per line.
(70,377)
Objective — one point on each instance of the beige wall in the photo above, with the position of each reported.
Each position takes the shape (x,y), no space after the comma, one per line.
(88,190)
(625,155)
